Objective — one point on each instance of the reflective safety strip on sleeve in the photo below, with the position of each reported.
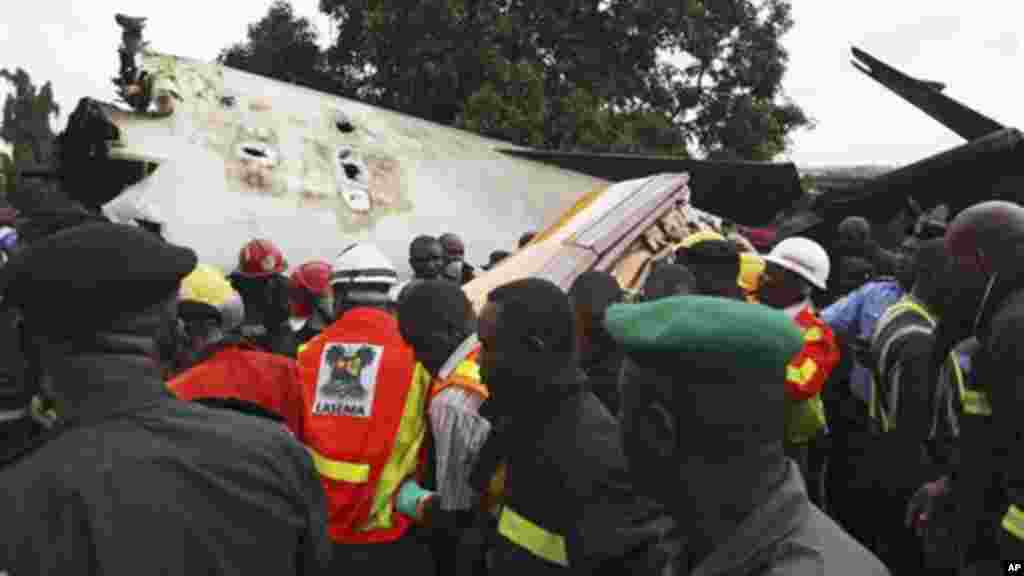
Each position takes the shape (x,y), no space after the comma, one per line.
(540,542)
(801,374)
(302,348)
(340,471)
(1013,522)
(813,334)
(974,402)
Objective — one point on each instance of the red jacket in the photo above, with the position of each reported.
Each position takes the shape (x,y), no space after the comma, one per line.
(807,372)
(236,371)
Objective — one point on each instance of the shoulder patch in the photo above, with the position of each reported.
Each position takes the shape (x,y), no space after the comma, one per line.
(346,379)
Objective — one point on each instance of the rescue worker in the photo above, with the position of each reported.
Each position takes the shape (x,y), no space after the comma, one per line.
(854,273)
(311,299)
(668,280)
(437,321)
(932,510)
(600,359)
(852,319)
(709,446)
(568,507)
(261,281)
(794,269)
(900,406)
(223,365)
(364,422)
(751,264)
(986,242)
(855,239)
(716,265)
(133,479)
(456,269)
(426,257)
(752,267)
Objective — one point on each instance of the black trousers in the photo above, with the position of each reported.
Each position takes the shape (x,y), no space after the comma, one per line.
(410,554)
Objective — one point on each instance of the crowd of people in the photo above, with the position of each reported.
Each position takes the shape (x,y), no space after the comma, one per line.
(742,414)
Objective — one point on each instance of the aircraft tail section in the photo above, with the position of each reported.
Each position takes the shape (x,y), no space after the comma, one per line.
(927,96)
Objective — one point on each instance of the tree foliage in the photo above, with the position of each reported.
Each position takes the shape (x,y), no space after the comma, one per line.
(281,46)
(645,76)
(26,128)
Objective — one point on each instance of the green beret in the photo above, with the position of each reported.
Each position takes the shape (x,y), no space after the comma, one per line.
(84,279)
(755,337)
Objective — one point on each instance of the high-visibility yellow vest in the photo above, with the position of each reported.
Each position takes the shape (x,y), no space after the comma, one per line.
(906,303)
(974,401)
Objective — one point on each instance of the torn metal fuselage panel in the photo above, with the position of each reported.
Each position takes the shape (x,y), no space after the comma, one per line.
(244,156)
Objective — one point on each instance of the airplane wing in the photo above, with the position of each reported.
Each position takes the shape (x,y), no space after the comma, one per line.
(620,229)
(928,97)
(750,193)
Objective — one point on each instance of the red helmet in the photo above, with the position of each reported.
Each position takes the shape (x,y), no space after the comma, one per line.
(261,258)
(313,278)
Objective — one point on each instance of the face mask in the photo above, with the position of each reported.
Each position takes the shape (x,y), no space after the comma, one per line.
(453,270)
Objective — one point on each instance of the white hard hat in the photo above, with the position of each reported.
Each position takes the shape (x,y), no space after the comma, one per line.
(363,264)
(803,257)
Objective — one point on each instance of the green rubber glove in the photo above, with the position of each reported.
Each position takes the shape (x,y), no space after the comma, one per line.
(409,497)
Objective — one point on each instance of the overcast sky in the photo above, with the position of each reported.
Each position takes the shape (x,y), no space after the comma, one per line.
(970,46)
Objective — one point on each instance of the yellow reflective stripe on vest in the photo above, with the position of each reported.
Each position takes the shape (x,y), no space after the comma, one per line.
(404,459)
(302,348)
(803,373)
(338,470)
(904,304)
(974,402)
(1013,522)
(537,540)
(468,369)
(813,334)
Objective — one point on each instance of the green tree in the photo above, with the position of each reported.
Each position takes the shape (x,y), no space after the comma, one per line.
(26,128)
(570,75)
(729,90)
(281,46)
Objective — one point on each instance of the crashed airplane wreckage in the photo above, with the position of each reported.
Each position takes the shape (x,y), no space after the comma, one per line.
(989,166)
(211,157)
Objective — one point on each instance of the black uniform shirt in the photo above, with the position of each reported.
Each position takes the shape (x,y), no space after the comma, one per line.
(138,482)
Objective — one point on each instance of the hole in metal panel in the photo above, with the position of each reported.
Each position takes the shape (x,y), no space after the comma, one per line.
(351,171)
(254,152)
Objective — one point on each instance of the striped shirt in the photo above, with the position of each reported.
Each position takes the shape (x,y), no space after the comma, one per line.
(458,432)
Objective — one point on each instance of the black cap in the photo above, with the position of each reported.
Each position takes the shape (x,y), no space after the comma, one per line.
(84,279)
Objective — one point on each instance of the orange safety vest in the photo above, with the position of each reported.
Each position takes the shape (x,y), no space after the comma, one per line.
(364,423)
(268,380)
(806,375)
